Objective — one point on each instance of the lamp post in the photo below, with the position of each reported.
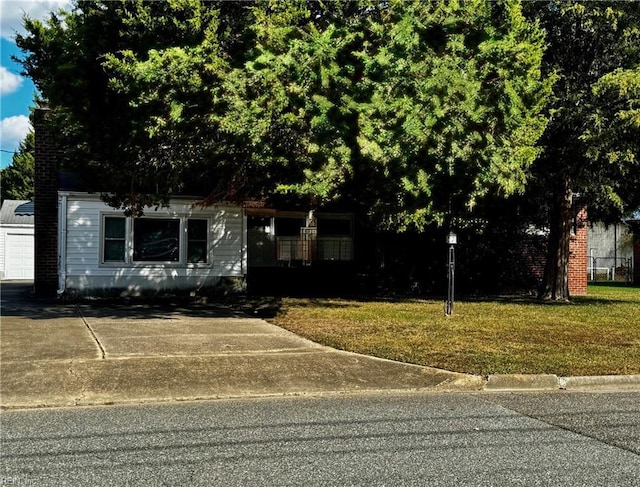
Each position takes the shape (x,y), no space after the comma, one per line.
(452,240)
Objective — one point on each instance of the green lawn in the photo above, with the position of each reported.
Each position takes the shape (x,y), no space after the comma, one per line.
(594,335)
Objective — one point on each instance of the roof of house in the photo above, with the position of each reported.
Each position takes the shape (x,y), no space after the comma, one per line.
(17,212)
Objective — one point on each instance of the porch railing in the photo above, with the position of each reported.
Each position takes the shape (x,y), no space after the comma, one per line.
(290,249)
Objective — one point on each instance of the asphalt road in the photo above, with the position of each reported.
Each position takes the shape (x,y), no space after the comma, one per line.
(563,439)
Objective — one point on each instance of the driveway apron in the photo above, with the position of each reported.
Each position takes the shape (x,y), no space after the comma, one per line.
(63,354)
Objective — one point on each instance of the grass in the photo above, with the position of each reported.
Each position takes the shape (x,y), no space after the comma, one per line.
(594,335)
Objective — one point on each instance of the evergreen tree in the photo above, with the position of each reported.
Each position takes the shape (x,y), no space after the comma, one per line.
(591,145)
(412,110)
(17,178)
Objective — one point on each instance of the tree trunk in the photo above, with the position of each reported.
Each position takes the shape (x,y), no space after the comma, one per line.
(555,283)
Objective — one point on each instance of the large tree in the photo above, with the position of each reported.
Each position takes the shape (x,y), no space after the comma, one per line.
(17,178)
(413,110)
(455,110)
(131,86)
(590,147)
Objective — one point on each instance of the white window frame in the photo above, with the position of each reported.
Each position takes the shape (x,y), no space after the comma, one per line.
(182,242)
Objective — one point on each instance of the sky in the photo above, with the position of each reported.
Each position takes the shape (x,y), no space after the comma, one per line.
(16,91)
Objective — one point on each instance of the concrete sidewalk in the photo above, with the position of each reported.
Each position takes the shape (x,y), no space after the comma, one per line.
(56,354)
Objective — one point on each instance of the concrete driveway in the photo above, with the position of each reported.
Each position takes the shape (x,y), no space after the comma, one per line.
(61,354)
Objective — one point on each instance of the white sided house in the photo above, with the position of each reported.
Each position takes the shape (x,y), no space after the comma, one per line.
(85,247)
(182,247)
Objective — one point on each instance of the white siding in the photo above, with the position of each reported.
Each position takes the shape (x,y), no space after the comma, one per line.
(84,271)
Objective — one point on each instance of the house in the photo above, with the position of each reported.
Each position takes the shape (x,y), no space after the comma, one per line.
(186,247)
(85,247)
(182,247)
(16,240)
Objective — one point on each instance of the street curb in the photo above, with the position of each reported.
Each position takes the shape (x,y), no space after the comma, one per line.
(454,383)
(600,382)
(551,382)
(511,382)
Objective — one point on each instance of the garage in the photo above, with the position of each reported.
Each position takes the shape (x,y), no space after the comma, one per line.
(16,240)
(18,256)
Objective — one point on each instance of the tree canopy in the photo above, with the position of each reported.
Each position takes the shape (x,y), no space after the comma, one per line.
(410,112)
(413,111)
(17,177)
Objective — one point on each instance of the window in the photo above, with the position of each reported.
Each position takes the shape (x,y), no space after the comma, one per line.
(289,242)
(335,241)
(289,227)
(334,227)
(178,240)
(156,240)
(114,239)
(196,241)
(261,241)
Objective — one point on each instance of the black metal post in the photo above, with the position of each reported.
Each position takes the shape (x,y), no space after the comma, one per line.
(452,240)
(448,309)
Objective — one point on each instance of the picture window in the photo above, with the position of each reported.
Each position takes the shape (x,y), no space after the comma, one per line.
(156,240)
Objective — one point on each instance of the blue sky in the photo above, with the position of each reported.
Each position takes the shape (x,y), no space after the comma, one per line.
(16,91)
(17,96)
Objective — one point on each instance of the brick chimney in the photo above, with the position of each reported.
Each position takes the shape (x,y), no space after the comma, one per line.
(45,207)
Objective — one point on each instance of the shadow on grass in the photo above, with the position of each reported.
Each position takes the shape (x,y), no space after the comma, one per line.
(271,306)
(616,293)
(17,300)
(614,284)
(523,299)
(532,301)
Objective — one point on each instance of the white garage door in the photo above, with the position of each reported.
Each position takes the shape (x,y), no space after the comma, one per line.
(18,256)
